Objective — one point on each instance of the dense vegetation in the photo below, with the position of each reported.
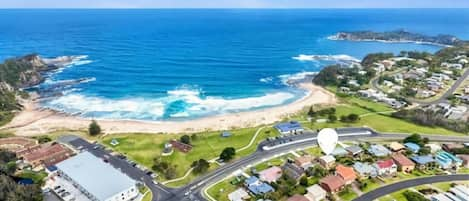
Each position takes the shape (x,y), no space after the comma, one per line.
(432,118)
(399,35)
(15,74)
(9,189)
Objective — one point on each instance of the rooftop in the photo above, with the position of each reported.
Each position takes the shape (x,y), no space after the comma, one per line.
(412,147)
(270,174)
(346,173)
(422,160)
(93,174)
(402,160)
(334,182)
(288,126)
(379,150)
(385,163)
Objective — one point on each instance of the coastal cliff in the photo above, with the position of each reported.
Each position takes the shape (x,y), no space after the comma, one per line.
(398,36)
(23,72)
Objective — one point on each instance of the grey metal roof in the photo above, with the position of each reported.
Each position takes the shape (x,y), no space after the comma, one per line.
(97,177)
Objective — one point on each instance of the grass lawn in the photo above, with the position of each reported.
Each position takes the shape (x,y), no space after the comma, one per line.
(444,186)
(143,148)
(370,117)
(147,196)
(221,190)
(371,184)
(463,170)
(347,195)
(37,177)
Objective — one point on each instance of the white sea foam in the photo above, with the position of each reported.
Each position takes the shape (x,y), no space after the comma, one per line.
(339,57)
(266,79)
(287,78)
(140,108)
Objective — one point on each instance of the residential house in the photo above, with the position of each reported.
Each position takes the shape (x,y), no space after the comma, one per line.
(271,174)
(447,160)
(293,171)
(386,167)
(354,150)
(315,193)
(304,162)
(297,198)
(239,195)
(403,163)
(365,170)
(47,155)
(433,147)
(460,192)
(332,183)
(414,148)
(256,186)
(456,113)
(425,93)
(291,127)
(379,150)
(346,173)
(388,83)
(339,151)
(396,146)
(423,162)
(327,161)
(450,146)
(465,160)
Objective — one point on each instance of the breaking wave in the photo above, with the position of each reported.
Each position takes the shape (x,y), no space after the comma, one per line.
(339,58)
(181,103)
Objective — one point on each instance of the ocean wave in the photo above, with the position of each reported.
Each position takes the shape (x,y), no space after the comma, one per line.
(339,57)
(266,79)
(179,103)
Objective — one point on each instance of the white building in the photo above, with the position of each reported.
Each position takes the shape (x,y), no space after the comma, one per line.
(238,195)
(96,179)
(315,193)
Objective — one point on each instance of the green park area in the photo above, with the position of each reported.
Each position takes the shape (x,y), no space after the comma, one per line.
(144,148)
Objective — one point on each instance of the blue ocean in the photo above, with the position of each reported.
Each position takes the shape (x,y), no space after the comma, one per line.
(182,64)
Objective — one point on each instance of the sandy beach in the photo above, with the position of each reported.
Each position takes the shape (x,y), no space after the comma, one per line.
(36,121)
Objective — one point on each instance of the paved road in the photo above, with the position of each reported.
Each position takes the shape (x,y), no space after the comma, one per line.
(193,191)
(159,192)
(377,193)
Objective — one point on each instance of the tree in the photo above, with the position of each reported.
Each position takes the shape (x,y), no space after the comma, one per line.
(200,166)
(414,196)
(43,139)
(10,190)
(424,151)
(185,139)
(414,138)
(228,153)
(332,118)
(304,181)
(94,128)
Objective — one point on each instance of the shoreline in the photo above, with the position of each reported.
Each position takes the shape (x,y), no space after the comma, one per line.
(334,38)
(33,120)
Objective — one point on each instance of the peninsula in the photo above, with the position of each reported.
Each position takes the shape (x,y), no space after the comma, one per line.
(398,36)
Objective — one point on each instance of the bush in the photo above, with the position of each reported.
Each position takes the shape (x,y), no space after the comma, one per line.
(414,196)
(94,128)
(185,139)
(228,153)
(200,166)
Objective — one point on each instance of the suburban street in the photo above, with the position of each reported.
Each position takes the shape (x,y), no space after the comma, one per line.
(442,98)
(194,190)
(382,191)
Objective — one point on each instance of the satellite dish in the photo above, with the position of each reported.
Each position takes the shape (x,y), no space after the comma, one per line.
(327,140)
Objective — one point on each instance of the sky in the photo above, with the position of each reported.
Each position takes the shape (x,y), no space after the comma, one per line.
(234,3)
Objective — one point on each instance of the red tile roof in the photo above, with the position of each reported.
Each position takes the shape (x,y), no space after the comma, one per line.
(347,173)
(385,164)
(332,182)
(48,154)
(181,146)
(401,160)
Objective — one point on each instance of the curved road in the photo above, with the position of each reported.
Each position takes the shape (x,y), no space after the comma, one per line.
(194,190)
(382,191)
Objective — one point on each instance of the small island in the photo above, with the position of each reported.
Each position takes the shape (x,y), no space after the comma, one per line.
(401,36)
